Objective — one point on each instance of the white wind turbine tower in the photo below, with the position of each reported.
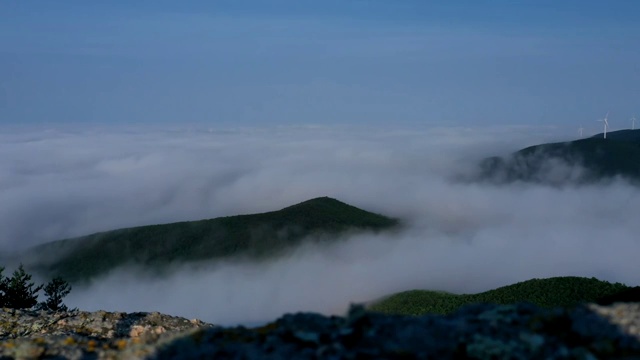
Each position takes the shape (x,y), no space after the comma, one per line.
(606,124)
(580,129)
(633,123)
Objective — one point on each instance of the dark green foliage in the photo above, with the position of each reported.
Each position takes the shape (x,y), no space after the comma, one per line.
(3,288)
(627,295)
(255,236)
(618,155)
(620,135)
(552,292)
(20,291)
(55,291)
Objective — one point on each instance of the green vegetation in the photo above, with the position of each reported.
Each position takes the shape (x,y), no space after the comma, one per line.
(631,294)
(618,155)
(55,291)
(19,292)
(558,291)
(255,236)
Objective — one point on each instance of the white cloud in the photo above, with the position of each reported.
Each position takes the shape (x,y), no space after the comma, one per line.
(461,237)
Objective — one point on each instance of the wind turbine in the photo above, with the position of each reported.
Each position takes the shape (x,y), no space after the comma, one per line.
(580,129)
(633,123)
(606,124)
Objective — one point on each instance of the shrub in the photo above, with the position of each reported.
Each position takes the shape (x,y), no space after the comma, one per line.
(3,286)
(55,290)
(19,292)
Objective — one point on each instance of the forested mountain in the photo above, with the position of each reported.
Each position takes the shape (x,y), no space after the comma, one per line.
(156,246)
(552,292)
(581,161)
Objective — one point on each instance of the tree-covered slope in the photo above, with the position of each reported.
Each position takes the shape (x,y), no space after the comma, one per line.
(558,291)
(155,246)
(621,135)
(581,161)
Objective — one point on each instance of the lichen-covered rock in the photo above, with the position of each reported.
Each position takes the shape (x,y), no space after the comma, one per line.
(79,334)
(100,324)
(480,331)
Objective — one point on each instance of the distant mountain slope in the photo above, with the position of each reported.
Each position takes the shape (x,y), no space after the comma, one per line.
(155,246)
(580,161)
(620,135)
(552,292)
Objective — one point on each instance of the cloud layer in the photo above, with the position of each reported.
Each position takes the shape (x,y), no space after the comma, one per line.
(461,237)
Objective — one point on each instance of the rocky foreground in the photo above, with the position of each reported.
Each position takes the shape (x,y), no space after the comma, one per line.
(478,331)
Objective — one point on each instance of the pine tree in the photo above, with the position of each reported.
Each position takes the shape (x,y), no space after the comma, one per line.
(3,286)
(20,292)
(55,290)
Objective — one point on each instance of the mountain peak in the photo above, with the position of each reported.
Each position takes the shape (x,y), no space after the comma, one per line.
(319,201)
(257,235)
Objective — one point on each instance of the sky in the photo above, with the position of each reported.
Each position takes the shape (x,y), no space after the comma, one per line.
(292,62)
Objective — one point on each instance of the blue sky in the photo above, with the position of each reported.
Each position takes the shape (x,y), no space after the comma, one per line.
(319,62)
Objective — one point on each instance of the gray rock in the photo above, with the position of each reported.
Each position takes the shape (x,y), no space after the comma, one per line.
(479,331)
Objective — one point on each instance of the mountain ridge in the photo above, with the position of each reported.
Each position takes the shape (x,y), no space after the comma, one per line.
(581,161)
(559,291)
(258,236)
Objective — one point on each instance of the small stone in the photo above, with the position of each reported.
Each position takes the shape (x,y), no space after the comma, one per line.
(136,331)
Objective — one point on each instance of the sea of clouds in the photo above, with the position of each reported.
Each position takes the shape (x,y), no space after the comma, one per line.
(462,237)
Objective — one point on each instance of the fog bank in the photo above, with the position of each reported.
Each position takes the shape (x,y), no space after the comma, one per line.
(459,237)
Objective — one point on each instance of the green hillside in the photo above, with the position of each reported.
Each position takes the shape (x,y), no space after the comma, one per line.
(630,294)
(551,292)
(622,135)
(617,155)
(155,246)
